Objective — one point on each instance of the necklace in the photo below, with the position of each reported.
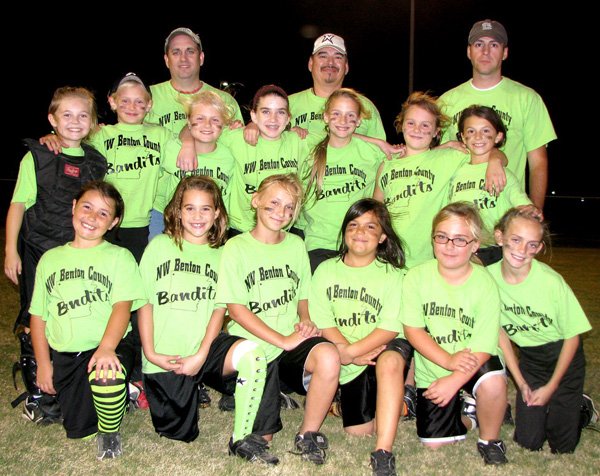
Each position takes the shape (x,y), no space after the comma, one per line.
(193,91)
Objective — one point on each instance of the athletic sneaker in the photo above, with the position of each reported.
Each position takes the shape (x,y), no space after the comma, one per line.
(410,402)
(286,402)
(140,401)
(203,397)
(109,445)
(469,409)
(252,448)
(34,410)
(589,414)
(383,463)
(311,446)
(493,453)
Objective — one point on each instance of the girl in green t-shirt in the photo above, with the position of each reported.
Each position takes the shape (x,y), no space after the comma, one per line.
(82,301)
(341,170)
(542,317)
(481,130)
(277,151)
(264,280)
(181,325)
(451,316)
(208,115)
(355,299)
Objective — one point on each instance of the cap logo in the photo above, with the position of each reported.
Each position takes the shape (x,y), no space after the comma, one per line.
(486,26)
(327,39)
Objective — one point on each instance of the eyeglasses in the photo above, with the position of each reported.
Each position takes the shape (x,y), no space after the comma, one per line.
(457,241)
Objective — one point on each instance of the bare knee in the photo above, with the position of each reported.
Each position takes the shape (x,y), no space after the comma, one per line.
(364,429)
(390,363)
(324,360)
(492,388)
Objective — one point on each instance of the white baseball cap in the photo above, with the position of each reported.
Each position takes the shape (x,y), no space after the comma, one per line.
(331,40)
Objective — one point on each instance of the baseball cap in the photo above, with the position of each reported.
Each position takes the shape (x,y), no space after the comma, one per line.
(329,39)
(128,78)
(490,28)
(183,31)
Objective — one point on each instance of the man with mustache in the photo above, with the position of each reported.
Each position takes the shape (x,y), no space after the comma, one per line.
(328,65)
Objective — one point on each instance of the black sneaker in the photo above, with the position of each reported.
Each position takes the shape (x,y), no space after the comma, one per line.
(493,453)
(469,409)
(410,402)
(383,463)
(227,403)
(286,402)
(252,448)
(589,414)
(311,446)
(109,445)
(203,396)
(43,414)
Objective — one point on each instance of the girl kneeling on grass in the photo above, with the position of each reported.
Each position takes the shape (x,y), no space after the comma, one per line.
(543,318)
(264,279)
(451,316)
(364,323)
(83,296)
(181,326)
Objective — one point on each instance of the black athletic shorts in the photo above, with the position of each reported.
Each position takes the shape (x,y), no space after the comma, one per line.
(437,424)
(359,396)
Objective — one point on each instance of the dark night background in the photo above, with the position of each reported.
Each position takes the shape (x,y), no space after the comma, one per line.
(255,43)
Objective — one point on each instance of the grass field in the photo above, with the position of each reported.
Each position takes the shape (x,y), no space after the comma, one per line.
(26,449)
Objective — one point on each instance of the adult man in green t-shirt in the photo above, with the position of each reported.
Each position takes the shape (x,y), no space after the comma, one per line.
(521,108)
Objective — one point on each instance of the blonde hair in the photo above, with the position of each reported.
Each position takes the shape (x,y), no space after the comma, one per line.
(208,98)
(464,210)
(319,153)
(428,103)
(290,183)
(75,92)
(172,215)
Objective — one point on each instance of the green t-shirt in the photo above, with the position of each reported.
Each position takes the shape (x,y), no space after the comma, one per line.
(306,110)
(415,189)
(456,317)
(255,163)
(269,280)
(469,185)
(522,110)
(181,286)
(356,301)
(540,309)
(169,112)
(26,186)
(219,165)
(135,154)
(76,289)
(349,176)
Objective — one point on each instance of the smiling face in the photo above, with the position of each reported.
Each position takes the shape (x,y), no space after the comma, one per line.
(451,257)
(342,117)
(131,102)
(521,242)
(72,120)
(198,216)
(275,208)
(93,216)
(363,235)
(328,67)
(271,116)
(205,122)
(184,58)
(419,128)
(480,136)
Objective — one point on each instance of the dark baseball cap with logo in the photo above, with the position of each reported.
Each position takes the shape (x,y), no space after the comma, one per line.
(490,28)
